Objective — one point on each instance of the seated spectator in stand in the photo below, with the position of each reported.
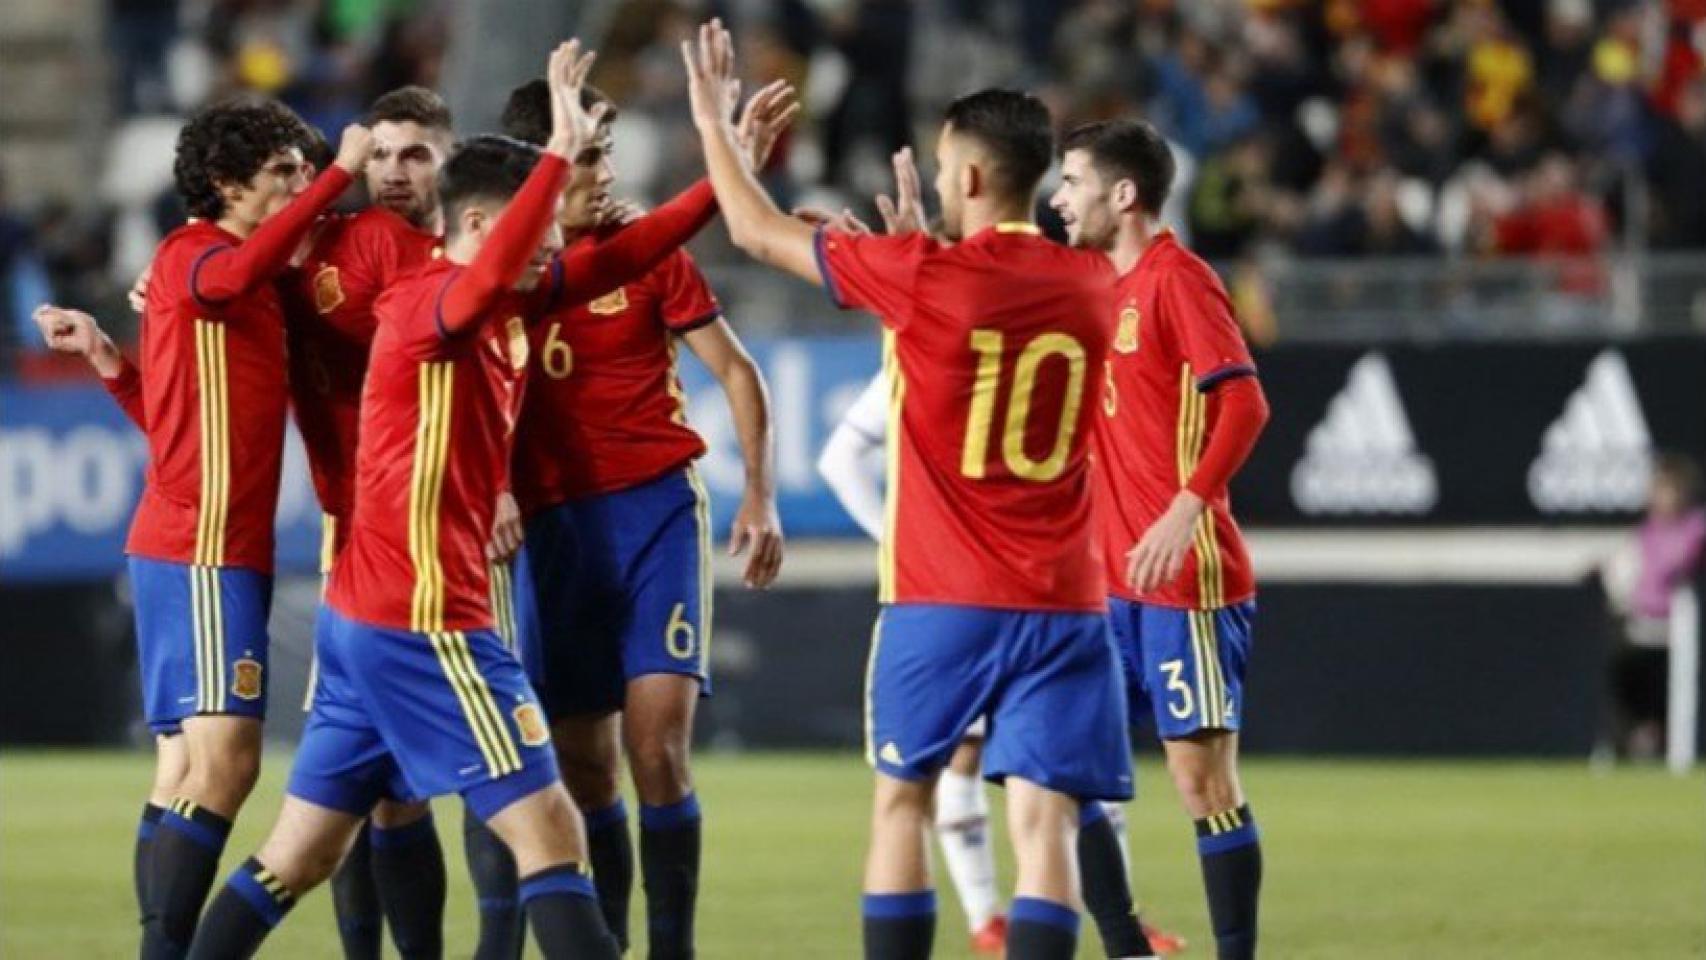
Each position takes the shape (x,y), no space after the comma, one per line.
(1556,219)
(1662,557)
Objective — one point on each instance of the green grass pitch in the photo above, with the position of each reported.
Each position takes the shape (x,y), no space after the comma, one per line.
(1364,860)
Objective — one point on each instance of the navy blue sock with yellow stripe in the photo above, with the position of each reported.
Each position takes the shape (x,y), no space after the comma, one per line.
(1231,852)
(1039,929)
(408,865)
(250,905)
(899,926)
(669,863)
(562,908)
(187,845)
(143,858)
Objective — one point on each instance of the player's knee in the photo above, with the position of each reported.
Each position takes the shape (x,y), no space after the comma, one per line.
(591,780)
(224,781)
(1203,787)
(660,770)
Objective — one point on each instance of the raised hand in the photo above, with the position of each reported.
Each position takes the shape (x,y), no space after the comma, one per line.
(904,213)
(712,87)
(354,149)
(770,112)
(572,125)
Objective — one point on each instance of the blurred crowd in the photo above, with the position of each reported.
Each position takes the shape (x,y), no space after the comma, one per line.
(1334,128)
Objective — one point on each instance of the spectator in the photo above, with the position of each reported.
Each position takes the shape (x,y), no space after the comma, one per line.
(1640,583)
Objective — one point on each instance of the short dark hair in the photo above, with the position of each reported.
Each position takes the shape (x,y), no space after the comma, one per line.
(229,141)
(487,168)
(411,104)
(1127,150)
(1016,129)
(527,114)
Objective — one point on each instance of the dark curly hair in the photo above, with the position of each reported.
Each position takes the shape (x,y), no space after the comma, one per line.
(229,142)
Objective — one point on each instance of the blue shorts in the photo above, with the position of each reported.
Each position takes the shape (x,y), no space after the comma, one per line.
(513,609)
(407,716)
(201,635)
(1048,682)
(1184,667)
(623,587)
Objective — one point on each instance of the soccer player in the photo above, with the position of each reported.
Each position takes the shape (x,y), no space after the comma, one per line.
(395,870)
(850,465)
(618,540)
(201,543)
(1181,412)
(417,695)
(990,575)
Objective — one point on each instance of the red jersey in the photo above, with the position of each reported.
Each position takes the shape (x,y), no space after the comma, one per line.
(991,347)
(605,410)
(436,419)
(329,325)
(1176,337)
(213,389)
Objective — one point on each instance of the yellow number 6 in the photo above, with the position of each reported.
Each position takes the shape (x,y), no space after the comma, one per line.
(679,635)
(557,358)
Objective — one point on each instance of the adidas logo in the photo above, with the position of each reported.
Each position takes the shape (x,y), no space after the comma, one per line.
(891,754)
(1362,457)
(1597,456)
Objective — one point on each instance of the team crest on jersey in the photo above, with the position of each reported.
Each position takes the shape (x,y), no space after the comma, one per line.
(1125,338)
(328,290)
(516,331)
(530,723)
(613,302)
(246,679)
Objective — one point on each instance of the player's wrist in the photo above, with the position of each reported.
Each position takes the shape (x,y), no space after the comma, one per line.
(105,357)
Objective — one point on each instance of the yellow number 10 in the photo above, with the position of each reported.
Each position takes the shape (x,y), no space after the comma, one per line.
(975,455)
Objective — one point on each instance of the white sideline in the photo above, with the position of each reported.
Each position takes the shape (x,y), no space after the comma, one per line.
(1508,555)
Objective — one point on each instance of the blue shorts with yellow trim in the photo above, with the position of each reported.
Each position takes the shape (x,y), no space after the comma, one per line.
(622,583)
(201,635)
(1048,682)
(1184,668)
(402,715)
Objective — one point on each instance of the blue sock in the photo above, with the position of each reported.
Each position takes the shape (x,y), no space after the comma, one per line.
(1231,851)
(143,857)
(611,852)
(250,905)
(408,866)
(562,908)
(1107,889)
(670,841)
(1040,929)
(187,845)
(492,869)
(899,926)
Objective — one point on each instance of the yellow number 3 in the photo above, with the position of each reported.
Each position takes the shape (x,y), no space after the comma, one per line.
(557,358)
(1175,684)
(988,344)
(679,636)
